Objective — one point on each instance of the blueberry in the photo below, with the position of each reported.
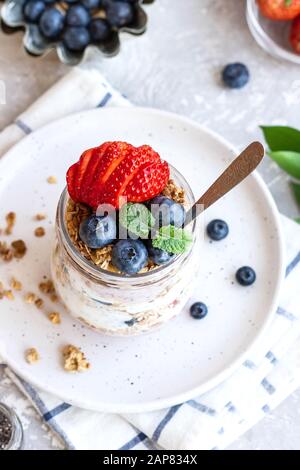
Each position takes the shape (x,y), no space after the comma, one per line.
(129,256)
(33,10)
(245,276)
(76,38)
(217,229)
(98,231)
(198,310)
(158,256)
(119,13)
(77,15)
(167,212)
(236,75)
(51,23)
(91,4)
(99,30)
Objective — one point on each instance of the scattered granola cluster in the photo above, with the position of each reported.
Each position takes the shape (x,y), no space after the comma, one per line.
(32,356)
(74,359)
(52,180)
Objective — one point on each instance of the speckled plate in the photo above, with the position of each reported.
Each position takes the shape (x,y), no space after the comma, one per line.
(186,357)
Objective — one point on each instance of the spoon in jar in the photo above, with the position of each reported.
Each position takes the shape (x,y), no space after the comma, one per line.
(237,171)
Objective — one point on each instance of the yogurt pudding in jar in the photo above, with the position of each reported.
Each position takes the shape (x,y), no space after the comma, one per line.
(123,260)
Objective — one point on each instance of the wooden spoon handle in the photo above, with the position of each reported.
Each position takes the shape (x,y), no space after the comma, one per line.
(237,171)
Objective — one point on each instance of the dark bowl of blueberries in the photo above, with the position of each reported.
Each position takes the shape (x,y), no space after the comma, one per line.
(71,26)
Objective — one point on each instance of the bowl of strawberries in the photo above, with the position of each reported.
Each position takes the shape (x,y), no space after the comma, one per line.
(275,25)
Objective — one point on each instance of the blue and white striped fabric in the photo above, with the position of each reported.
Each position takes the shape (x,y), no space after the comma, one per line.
(214,420)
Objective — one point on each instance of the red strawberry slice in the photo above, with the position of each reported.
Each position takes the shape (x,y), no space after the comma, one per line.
(82,167)
(90,171)
(124,173)
(149,181)
(71,181)
(112,158)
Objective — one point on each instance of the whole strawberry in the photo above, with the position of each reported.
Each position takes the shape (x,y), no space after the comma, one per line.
(295,35)
(279,9)
(116,170)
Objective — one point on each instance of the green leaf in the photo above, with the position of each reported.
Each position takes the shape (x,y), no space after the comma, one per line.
(296,191)
(282,138)
(297,220)
(172,239)
(288,161)
(288,3)
(137,219)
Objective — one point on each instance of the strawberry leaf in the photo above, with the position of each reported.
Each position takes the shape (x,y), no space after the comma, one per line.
(288,161)
(137,219)
(172,239)
(282,138)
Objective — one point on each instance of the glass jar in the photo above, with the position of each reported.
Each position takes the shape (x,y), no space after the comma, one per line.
(272,36)
(117,304)
(15,439)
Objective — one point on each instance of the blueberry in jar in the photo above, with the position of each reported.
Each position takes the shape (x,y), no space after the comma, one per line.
(157,255)
(167,212)
(119,13)
(99,30)
(129,256)
(33,10)
(98,231)
(77,15)
(217,230)
(51,23)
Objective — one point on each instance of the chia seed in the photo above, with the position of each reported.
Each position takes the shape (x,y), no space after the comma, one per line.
(5,431)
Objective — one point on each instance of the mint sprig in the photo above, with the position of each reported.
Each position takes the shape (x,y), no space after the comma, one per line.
(172,239)
(137,219)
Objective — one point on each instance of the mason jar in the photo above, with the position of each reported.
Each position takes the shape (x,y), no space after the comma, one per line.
(116,304)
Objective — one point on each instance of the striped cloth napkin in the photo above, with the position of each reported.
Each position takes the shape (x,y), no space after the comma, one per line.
(214,420)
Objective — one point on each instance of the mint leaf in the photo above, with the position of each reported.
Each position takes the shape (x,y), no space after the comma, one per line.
(282,138)
(288,161)
(172,239)
(296,191)
(137,219)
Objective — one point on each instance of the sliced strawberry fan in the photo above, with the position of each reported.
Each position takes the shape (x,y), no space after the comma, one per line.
(116,170)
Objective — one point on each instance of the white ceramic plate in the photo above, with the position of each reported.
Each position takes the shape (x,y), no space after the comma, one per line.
(186,357)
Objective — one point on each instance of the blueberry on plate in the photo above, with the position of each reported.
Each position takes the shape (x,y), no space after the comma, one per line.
(51,23)
(129,256)
(33,10)
(76,38)
(99,30)
(198,310)
(158,256)
(77,15)
(236,75)
(91,4)
(245,276)
(98,231)
(217,229)
(167,212)
(119,13)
